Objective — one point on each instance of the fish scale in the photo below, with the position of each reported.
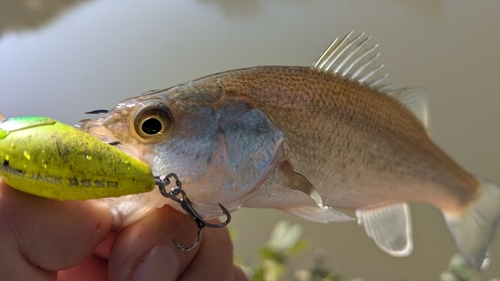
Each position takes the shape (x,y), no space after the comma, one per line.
(333,118)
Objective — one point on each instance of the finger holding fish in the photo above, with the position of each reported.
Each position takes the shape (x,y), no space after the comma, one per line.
(40,236)
(144,251)
(46,239)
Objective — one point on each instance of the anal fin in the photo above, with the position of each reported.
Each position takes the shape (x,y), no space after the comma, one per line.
(390,227)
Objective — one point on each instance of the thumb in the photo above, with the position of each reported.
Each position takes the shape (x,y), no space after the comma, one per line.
(40,236)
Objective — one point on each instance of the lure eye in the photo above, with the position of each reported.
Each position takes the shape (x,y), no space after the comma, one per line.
(152,123)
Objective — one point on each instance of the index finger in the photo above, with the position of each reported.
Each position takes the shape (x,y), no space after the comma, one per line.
(144,250)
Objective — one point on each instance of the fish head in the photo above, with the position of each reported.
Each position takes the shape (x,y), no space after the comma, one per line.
(221,149)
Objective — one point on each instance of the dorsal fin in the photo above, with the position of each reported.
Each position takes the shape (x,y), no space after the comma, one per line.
(416,100)
(352,58)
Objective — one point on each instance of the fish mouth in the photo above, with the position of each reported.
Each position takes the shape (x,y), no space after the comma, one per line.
(97,129)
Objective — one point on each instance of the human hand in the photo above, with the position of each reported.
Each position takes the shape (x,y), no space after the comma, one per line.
(44,239)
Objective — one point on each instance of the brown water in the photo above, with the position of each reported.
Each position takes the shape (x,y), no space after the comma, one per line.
(61,58)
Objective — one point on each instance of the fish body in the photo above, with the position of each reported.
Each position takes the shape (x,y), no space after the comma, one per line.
(305,140)
(359,147)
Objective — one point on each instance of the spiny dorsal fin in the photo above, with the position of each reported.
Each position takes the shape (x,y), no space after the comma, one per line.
(353,59)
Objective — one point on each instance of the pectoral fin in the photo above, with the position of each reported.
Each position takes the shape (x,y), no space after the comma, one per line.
(390,227)
(318,213)
(298,182)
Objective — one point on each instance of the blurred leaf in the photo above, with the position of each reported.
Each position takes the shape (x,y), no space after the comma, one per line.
(284,236)
(267,253)
(300,246)
(458,270)
(233,234)
(258,275)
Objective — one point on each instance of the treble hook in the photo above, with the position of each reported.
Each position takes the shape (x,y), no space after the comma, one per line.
(187,206)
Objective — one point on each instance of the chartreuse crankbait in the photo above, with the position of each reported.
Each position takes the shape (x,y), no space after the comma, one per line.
(44,157)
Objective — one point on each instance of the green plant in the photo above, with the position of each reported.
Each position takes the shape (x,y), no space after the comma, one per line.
(286,242)
(459,270)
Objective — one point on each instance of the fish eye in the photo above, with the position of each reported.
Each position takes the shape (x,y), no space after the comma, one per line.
(151,126)
(152,123)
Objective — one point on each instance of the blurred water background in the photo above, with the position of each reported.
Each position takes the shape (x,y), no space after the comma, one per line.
(61,58)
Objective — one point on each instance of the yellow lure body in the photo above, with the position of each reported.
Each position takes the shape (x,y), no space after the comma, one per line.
(47,158)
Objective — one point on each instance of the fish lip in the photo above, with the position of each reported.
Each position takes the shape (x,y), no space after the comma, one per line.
(97,129)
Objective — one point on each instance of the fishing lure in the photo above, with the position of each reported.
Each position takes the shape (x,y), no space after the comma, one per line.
(47,158)
(44,157)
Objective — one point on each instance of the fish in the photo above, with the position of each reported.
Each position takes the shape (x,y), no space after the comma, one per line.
(308,140)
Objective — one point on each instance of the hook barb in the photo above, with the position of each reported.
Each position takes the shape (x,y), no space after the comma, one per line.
(193,245)
(222,224)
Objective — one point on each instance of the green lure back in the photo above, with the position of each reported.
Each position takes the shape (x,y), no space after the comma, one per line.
(44,157)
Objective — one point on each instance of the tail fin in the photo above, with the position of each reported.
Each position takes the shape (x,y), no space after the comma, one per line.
(474,229)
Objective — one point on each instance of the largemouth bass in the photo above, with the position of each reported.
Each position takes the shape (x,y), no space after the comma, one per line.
(304,140)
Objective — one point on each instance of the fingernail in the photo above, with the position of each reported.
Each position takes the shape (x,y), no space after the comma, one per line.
(116,219)
(159,263)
